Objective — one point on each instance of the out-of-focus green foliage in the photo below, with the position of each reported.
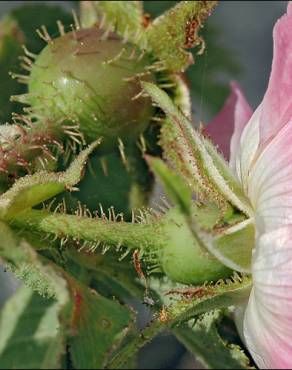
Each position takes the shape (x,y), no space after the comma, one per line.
(17,29)
(110,182)
(10,39)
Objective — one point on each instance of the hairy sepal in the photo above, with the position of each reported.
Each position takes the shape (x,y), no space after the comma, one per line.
(188,153)
(174,185)
(177,30)
(125,18)
(195,158)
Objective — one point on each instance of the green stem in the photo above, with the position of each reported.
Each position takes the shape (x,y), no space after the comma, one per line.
(214,297)
(92,230)
(166,240)
(137,343)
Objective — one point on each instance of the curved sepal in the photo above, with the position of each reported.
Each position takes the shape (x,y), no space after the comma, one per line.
(31,190)
(202,164)
(123,17)
(235,245)
(174,185)
(177,30)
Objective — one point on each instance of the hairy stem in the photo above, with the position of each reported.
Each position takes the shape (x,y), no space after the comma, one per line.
(133,347)
(232,292)
(92,230)
(166,240)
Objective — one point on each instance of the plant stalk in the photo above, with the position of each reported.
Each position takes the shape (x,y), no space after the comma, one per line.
(92,230)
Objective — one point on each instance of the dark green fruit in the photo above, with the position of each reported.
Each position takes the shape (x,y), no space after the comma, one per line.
(83,77)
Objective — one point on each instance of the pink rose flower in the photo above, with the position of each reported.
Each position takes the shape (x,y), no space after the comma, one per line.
(259,148)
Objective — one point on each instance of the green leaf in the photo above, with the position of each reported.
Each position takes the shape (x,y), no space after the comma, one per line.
(202,300)
(30,333)
(110,277)
(176,30)
(91,324)
(174,185)
(207,216)
(31,190)
(9,250)
(98,326)
(125,18)
(204,342)
(32,336)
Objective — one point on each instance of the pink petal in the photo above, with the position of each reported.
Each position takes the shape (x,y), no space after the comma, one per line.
(264,166)
(247,149)
(269,183)
(226,128)
(277,103)
(268,318)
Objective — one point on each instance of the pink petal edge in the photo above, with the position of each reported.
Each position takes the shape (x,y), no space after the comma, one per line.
(277,103)
(267,179)
(226,128)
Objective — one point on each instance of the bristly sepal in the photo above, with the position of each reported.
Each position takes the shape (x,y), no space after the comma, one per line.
(177,30)
(124,18)
(31,190)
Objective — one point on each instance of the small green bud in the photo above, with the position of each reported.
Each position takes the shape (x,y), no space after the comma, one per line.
(183,258)
(91,79)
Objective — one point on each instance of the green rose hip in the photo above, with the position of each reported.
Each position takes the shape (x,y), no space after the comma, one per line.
(92,79)
(183,259)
